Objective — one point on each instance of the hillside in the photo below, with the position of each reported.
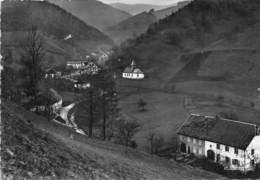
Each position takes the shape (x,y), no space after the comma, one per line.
(31,153)
(93,12)
(135,9)
(138,24)
(61,153)
(18,18)
(204,41)
(162,13)
(131,27)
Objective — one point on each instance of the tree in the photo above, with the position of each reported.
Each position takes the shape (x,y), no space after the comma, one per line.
(31,61)
(155,142)
(126,131)
(141,104)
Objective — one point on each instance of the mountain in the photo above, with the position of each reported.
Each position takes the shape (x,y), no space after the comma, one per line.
(54,25)
(160,14)
(36,148)
(132,27)
(93,12)
(207,40)
(137,8)
(138,24)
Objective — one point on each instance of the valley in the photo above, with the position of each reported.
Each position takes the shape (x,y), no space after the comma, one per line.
(195,58)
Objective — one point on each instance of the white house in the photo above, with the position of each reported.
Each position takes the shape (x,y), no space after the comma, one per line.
(76,64)
(233,144)
(132,72)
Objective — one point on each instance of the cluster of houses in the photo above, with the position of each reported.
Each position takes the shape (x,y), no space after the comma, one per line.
(233,144)
(132,72)
(86,67)
(80,67)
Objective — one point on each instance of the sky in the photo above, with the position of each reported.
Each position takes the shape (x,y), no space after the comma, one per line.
(157,2)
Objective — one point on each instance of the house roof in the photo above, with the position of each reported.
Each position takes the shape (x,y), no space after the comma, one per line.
(128,70)
(51,71)
(76,62)
(216,129)
(138,71)
(131,70)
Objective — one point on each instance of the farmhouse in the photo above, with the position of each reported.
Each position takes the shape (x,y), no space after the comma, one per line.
(132,72)
(233,144)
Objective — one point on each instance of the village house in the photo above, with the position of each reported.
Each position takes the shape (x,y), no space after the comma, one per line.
(52,73)
(76,64)
(233,144)
(132,72)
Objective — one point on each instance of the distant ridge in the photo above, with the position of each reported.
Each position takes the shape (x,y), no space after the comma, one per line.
(92,12)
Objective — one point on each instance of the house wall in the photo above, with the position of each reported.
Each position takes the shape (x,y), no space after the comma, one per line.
(193,145)
(133,76)
(241,156)
(255,144)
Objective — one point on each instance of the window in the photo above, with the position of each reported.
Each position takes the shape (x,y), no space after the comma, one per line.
(236,151)
(194,151)
(218,146)
(252,151)
(226,148)
(200,142)
(235,162)
(252,162)
(200,151)
(227,159)
(218,157)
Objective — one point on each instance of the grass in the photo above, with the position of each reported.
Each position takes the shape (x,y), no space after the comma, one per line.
(163,115)
(104,159)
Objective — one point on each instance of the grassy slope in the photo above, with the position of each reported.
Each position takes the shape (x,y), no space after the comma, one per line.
(106,160)
(93,12)
(31,153)
(18,17)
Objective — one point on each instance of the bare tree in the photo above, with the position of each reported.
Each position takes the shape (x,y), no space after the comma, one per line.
(155,142)
(126,131)
(31,60)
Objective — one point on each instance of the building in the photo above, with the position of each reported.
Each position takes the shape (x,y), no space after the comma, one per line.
(132,72)
(76,64)
(233,144)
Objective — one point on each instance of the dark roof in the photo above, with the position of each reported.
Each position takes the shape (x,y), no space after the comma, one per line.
(128,70)
(216,129)
(51,71)
(132,70)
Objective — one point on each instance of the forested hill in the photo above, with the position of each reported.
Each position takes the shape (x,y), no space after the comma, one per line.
(54,24)
(49,18)
(214,39)
(93,12)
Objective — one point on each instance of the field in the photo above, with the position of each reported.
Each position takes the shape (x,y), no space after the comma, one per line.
(163,115)
(165,112)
